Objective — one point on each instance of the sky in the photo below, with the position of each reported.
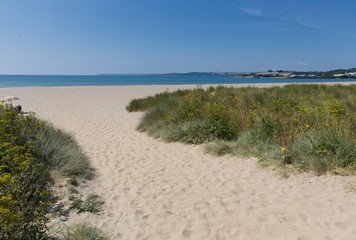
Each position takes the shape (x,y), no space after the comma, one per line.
(84,37)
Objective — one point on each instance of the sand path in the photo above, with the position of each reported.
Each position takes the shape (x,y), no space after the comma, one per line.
(155,190)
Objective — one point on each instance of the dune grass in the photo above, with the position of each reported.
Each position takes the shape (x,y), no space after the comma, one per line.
(60,153)
(83,231)
(151,101)
(92,203)
(79,231)
(30,150)
(311,127)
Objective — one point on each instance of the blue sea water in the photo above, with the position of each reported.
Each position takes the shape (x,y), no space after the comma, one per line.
(7,81)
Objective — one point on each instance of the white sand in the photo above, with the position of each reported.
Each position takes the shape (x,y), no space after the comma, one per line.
(155,190)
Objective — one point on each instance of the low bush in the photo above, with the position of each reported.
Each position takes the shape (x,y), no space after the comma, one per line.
(29,150)
(313,126)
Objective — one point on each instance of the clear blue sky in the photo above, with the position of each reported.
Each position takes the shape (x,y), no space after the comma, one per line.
(159,36)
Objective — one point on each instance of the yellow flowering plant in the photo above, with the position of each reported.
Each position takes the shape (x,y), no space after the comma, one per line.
(22,213)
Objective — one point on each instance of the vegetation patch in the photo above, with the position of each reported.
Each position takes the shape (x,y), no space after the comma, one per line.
(91,203)
(30,151)
(80,231)
(310,127)
(151,101)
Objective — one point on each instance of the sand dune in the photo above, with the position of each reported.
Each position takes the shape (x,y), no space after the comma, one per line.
(155,190)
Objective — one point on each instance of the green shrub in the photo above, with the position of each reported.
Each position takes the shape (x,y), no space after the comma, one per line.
(318,120)
(24,197)
(29,150)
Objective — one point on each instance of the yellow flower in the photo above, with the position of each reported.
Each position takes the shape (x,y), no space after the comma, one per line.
(307,125)
(284,149)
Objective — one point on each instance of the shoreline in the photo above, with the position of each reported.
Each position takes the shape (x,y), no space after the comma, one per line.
(176,86)
(147,80)
(157,190)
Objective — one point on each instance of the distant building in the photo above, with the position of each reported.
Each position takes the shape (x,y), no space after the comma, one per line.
(345,74)
(351,74)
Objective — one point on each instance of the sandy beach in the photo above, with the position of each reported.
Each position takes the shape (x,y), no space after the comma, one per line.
(157,190)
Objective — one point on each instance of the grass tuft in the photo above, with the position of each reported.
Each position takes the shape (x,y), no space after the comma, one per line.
(79,231)
(92,203)
(61,153)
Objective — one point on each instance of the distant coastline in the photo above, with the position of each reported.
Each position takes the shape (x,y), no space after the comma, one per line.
(10,81)
(332,74)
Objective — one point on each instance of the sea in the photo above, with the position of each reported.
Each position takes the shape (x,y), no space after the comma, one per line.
(9,81)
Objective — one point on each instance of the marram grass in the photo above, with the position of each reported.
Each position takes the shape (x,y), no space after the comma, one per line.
(79,231)
(310,127)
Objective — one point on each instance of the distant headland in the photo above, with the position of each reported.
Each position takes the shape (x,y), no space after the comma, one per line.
(337,74)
